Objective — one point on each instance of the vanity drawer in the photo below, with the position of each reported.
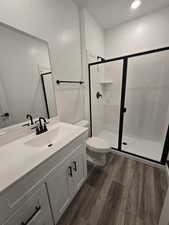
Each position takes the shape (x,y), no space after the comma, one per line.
(34,211)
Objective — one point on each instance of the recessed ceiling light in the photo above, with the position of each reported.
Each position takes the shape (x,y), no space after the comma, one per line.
(135,4)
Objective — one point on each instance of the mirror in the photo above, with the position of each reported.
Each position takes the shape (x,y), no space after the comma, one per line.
(26,81)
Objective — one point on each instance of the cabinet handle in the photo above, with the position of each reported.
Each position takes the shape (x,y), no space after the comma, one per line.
(70,171)
(37,209)
(75,166)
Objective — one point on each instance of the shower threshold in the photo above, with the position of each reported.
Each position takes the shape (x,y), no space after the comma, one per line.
(141,147)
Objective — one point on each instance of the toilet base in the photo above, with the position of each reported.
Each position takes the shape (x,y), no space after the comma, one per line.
(98,159)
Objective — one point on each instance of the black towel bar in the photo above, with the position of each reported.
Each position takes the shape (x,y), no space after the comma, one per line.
(70,82)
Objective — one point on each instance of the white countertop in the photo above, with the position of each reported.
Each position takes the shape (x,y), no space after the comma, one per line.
(17,159)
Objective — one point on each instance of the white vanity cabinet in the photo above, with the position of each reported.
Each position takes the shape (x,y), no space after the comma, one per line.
(65,180)
(41,196)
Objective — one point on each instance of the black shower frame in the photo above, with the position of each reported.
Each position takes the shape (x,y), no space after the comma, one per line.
(122,104)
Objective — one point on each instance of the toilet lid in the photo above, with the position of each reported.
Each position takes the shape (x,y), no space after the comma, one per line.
(98,145)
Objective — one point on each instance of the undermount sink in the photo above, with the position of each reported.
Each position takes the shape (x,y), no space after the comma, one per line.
(49,138)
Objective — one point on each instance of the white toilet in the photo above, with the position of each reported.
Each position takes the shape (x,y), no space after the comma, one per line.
(97,148)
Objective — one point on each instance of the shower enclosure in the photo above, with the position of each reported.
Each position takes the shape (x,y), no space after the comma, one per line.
(129,103)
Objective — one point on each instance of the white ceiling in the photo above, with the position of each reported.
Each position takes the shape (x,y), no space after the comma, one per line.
(109,13)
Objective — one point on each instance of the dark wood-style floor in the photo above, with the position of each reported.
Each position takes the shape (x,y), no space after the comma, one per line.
(125,192)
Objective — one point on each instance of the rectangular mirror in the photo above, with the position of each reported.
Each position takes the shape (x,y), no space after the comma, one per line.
(23,87)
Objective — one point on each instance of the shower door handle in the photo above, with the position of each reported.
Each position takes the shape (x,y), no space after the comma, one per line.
(124,110)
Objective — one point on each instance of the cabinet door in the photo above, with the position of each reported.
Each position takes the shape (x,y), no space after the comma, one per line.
(60,188)
(35,211)
(78,166)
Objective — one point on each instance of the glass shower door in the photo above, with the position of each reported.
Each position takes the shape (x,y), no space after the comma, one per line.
(112,100)
(106,82)
(147,101)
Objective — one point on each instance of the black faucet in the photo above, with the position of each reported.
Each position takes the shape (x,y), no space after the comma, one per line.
(28,116)
(41,128)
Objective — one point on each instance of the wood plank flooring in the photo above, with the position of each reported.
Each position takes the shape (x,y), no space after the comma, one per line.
(125,192)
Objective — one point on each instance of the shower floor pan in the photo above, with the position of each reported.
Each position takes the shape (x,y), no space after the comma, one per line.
(141,147)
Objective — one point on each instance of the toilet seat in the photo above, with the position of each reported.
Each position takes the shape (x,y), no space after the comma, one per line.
(98,145)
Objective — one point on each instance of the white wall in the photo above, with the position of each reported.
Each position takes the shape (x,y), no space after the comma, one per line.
(56,21)
(148,32)
(94,35)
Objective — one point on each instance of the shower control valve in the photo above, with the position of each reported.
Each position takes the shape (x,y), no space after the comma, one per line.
(98,95)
